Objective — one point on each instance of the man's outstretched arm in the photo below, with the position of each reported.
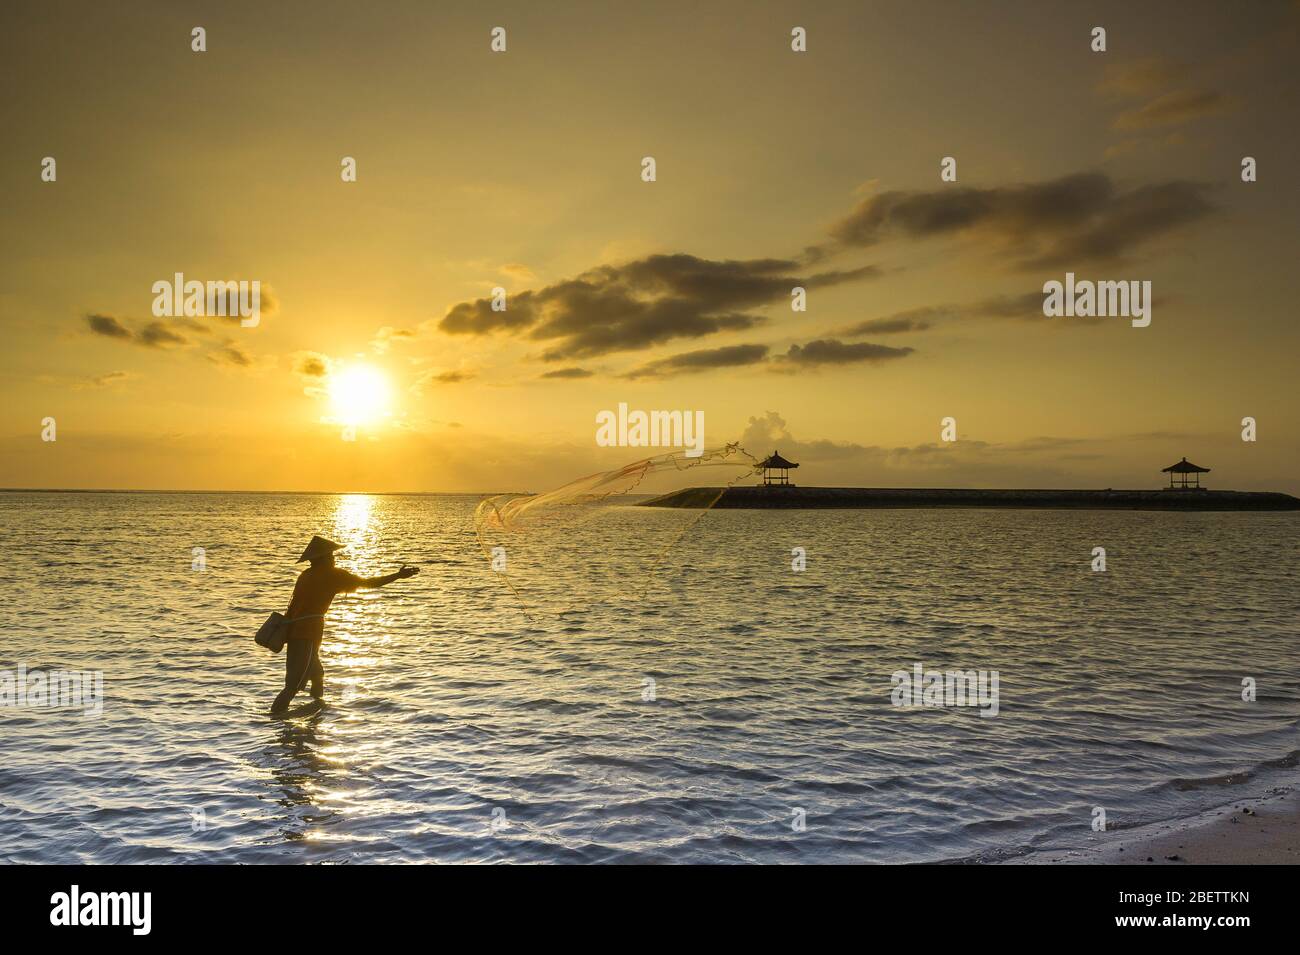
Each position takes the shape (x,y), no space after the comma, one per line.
(388,579)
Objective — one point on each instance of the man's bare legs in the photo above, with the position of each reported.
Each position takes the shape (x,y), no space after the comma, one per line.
(301,663)
(316,674)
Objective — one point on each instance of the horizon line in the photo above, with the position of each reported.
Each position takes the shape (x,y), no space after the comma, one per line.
(108,490)
(147,490)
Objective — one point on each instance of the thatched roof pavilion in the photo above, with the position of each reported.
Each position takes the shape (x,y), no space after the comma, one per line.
(1181,471)
(773,464)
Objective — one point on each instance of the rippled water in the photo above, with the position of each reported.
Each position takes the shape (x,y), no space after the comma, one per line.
(451,708)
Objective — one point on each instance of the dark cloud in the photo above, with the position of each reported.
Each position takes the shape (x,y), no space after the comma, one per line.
(108,326)
(569,373)
(832,351)
(1070,221)
(231,354)
(1027,307)
(312,368)
(703,359)
(311,364)
(642,303)
(443,378)
(228,300)
(156,334)
(912,320)
(192,325)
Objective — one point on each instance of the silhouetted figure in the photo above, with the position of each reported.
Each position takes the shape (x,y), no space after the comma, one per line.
(312,596)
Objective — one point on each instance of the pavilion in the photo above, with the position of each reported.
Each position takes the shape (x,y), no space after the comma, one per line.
(773,464)
(1180,471)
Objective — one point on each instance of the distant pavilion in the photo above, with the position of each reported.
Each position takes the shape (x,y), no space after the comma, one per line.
(1178,474)
(774,464)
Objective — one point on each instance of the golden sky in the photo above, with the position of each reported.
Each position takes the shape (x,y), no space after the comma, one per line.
(522,170)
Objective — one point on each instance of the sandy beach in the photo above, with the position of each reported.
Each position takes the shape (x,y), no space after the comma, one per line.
(1263,831)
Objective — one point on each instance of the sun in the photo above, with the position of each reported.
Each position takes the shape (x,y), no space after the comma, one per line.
(359,394)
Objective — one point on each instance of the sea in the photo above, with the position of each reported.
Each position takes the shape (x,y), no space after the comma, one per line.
(732,698)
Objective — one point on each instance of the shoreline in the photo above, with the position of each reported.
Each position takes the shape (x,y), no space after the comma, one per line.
(1261,830)
(783,497)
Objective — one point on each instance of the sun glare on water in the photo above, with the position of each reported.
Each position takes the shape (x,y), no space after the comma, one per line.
(359,394)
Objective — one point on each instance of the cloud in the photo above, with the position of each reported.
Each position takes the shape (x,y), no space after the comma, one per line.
(730,356)
(231,354)
(518,271)
(387,335)
(311,364)
(103,381)
(642,303)
(1077,219)
(1042,461)
(811,355)
(191,325)
(155,334)
(228,300)
(108,326)
(449,377)
(1165,101)
(158,335)
(1143,77)
(452,377)
(1027,307)
(832,351)
(313,368)
(568,373)
(912,320)
(1172,109)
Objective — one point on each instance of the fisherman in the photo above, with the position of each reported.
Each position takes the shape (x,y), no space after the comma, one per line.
(316,588)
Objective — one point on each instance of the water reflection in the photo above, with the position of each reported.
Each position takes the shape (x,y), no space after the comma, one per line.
(298,769)
(304,758)
(352,518)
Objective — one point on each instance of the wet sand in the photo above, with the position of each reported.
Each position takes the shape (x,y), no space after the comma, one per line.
(1264,831)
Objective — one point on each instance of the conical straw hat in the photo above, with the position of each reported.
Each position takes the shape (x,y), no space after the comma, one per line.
(319,547)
